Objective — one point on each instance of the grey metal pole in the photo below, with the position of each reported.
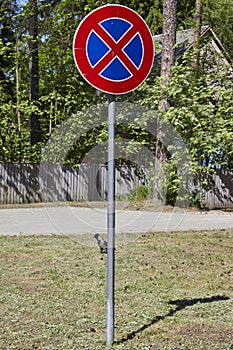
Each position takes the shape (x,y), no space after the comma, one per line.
(111,219)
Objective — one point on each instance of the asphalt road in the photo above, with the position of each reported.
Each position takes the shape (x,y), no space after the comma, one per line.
(74,220)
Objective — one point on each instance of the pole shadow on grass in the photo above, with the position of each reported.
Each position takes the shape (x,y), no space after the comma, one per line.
(180,305)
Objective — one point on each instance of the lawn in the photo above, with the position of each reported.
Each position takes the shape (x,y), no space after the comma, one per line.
(173,291)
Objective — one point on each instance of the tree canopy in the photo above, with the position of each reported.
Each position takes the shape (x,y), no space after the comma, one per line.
(199,109)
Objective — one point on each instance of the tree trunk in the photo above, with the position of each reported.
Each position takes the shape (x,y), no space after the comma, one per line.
(17,88)
(197,31)
(168,59)
(33,69)
(169,38)
(198,20)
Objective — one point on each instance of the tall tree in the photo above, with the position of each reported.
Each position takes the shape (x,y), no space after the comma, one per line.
(10,51)
(168,60)
(33,68)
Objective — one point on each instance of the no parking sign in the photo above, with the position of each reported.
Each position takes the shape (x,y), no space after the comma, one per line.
(113,49)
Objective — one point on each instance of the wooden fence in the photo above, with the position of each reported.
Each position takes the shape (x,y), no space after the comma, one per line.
(31,183)
(218,190)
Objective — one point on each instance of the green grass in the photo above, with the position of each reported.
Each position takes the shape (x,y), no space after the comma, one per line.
(173,291)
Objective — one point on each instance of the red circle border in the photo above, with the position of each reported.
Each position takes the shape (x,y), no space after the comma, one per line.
(81,59)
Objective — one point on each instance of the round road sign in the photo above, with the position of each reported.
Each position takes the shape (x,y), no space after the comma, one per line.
(113,49)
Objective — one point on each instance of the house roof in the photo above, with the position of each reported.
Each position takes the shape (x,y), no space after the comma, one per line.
(185,40)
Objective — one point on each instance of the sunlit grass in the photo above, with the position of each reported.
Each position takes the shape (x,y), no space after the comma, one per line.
(172,291)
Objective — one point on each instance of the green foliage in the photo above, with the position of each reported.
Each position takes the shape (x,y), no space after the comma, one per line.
(200,111)
(62,90)
(140,193)
(185,14)
(172,183)
(219,15)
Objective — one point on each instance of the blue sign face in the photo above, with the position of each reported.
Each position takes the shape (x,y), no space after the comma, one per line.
(130,50)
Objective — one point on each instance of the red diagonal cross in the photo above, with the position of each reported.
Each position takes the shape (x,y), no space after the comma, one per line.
(116,49)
